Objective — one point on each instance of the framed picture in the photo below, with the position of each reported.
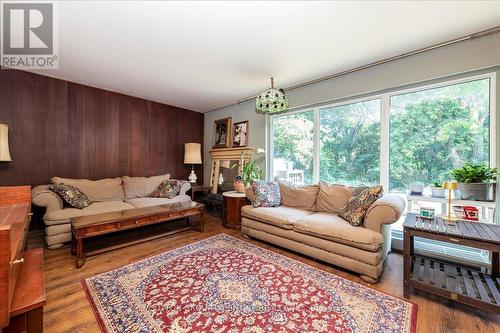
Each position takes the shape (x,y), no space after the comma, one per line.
(222,133)
(240,134)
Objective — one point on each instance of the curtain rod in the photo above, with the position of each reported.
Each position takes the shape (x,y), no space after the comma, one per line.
(476,35)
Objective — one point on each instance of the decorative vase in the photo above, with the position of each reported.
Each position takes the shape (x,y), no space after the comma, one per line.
(239,186)
(417,188)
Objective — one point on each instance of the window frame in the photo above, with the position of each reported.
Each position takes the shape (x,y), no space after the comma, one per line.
(385,114)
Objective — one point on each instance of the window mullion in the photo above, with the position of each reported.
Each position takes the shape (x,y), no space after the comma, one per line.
(316,145)
(384,141)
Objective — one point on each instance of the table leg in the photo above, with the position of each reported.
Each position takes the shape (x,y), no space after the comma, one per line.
(407,258)
(195,222)
(80,253)
(495,264)
(73,244)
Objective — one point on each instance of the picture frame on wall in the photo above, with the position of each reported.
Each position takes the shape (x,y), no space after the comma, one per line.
(240,134)
(222,133)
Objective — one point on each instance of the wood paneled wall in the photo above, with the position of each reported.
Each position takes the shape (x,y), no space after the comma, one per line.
(60,128)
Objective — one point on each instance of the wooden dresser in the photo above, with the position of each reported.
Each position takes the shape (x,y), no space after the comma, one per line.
(22,287)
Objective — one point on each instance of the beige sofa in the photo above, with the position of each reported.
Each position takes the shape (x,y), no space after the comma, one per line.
(307,222)
(108,195)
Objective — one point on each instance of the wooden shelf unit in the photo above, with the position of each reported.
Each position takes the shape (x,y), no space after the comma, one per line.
(465,285)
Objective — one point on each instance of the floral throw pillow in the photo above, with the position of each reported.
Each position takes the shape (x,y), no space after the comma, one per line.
(168,189)
(267,194)
(355,209)
(71,195)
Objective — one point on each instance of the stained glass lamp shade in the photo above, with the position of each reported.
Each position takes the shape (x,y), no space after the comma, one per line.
(271,101)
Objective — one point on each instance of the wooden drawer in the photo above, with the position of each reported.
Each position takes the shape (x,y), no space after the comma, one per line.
(135,222)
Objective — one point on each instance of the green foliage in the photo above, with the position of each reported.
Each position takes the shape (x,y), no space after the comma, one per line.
(251,171)
(430,138)
(438,184)
(470,173)
(293,140)
(350,143)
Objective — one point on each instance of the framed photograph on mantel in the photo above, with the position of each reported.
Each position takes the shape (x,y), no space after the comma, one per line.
(222,133)
(240,134)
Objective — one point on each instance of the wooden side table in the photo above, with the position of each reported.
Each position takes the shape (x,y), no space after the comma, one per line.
(198,188)
(461,284)
(233,201)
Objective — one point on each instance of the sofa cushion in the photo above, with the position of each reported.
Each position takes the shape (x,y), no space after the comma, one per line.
(95,208)
(303,197)
(267,194)
(333,227)
(109,189)
(147,202)
(138,187)
(332,197)
(282,216)
(355,209)
(71,195)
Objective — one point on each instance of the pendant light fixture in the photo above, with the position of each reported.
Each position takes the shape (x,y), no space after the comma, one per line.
(271,101)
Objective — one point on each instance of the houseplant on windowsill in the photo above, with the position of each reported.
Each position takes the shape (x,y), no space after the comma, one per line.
(437,190)
(475,182)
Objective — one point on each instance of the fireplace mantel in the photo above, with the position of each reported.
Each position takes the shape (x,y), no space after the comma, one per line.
(237,155)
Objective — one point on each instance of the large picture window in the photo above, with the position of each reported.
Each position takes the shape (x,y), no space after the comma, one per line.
(393,139)
(350,143)
(434,131)
(293,147)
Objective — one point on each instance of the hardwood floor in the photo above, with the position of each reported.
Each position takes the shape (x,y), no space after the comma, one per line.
(68,310)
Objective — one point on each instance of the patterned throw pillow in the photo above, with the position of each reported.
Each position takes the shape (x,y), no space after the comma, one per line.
(168,189)
(267,194)
(355,209)
(71,195)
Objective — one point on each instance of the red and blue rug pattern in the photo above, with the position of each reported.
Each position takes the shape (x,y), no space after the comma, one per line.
(224,284)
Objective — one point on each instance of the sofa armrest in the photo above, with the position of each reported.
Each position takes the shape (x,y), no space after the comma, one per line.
(42,196)
(184,188)
(386,210)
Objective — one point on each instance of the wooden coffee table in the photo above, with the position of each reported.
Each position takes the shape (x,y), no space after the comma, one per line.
(109,225)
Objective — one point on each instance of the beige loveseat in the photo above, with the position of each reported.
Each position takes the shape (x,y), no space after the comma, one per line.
(108,195)
(307,222)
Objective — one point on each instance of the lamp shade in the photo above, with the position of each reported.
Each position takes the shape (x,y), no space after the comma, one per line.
(192,153)
(4,143)
(450,185)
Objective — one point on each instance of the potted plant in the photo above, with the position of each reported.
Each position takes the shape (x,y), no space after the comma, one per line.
(475,182)
(437,190)
(249,171)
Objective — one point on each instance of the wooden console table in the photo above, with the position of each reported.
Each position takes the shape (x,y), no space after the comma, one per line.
(110,223)
(462,284)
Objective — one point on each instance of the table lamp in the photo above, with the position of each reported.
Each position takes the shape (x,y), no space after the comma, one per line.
(4,143)
(192,155)
(449,186)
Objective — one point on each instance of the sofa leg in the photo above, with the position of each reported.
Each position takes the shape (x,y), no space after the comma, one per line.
(368,279)
(245,236)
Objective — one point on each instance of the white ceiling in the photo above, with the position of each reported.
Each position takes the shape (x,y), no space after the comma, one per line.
(205,55)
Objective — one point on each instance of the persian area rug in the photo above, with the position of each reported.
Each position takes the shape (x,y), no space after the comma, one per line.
(223,284)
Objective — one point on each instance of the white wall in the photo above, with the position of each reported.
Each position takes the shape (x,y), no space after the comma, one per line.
(456,59)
